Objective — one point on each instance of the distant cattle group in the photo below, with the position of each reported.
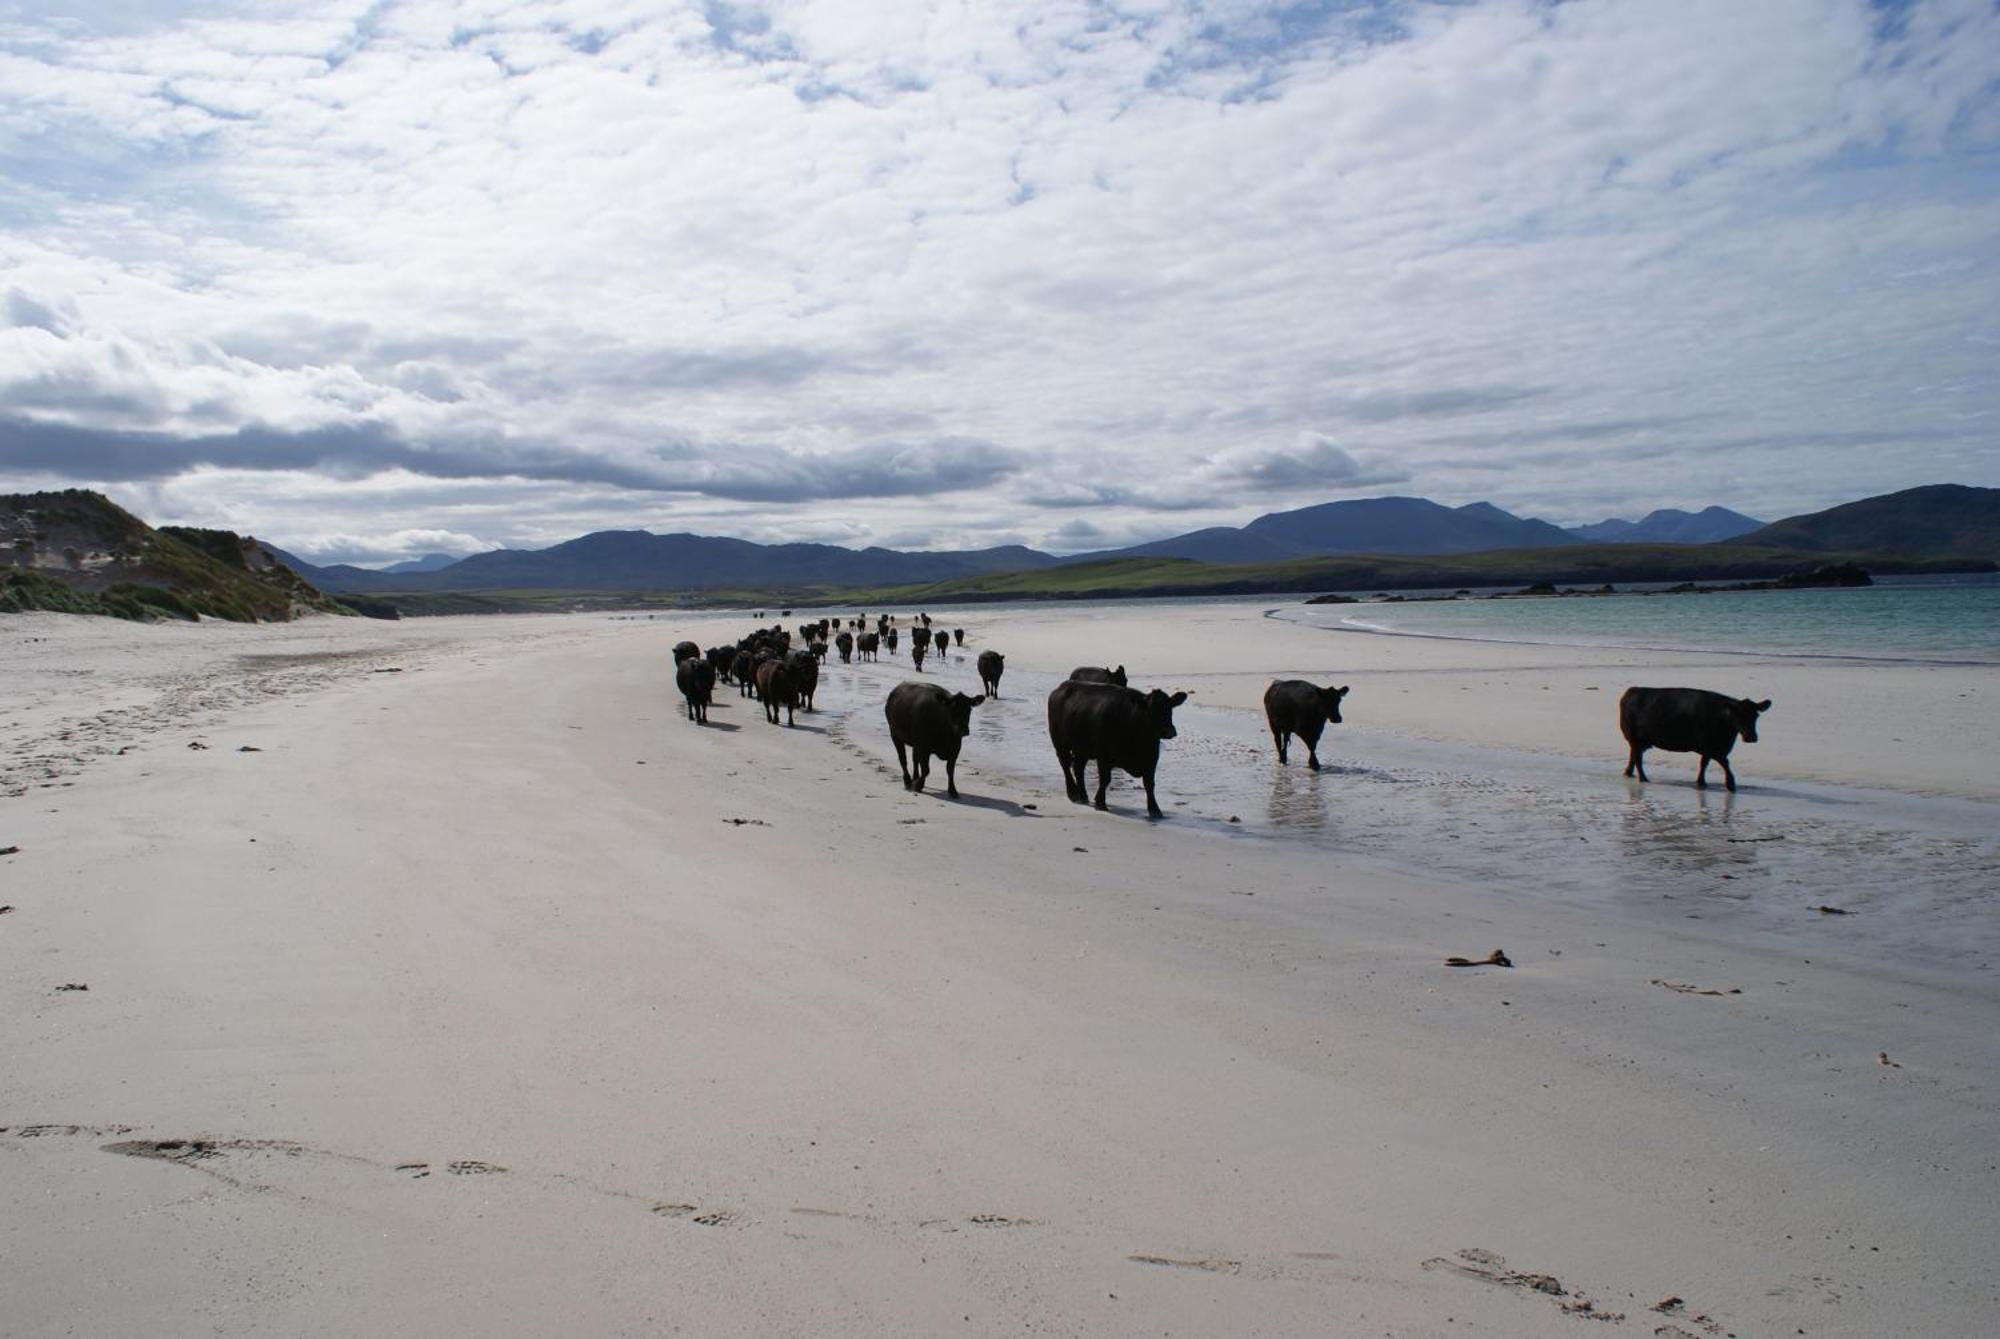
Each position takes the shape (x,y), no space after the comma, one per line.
(1097,721)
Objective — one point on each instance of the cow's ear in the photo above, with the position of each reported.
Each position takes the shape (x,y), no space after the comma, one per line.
(1341,691)
(972,701)
(1176,699)
(1119,670)
(1765,705)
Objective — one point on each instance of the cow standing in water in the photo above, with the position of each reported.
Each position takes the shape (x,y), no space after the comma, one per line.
(1296,707)
(927,719)
(991,664)
(1113,727)
(1687,720)
(844,643)
(919,645)
(942,640)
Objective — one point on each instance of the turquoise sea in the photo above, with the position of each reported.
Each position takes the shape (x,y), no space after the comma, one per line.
(1948,619)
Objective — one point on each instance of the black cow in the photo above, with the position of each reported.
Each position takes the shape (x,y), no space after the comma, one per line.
(1295,707)
(1687,720)
(695,678)
(942,640)
(844,643)
(920,646)
(991,663)
(744,667)
(1098,674)
(685,651)
(1113,726)
(778,689)
(889,640)
(818,650)
(720,658)
(927,719)
(805,675)
(958,635)
(868,644)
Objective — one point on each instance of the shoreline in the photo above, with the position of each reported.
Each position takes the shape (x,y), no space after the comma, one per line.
(492,995)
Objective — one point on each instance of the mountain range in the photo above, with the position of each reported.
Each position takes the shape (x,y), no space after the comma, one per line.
(640,560)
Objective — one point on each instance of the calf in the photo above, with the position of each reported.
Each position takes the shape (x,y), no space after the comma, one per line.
(778,689)
(1098,674)
(927,719)
(991,663)
(1295,707)
(920,645)
(867,644)
(1113,726)
(889,640)
(844,643)
(942,640)
(1687,720)
(695,677)
(958,636)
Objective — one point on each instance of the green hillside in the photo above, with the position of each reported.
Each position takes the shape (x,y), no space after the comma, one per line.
(78,552)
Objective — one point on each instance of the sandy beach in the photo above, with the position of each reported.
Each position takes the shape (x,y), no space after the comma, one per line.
(438,977)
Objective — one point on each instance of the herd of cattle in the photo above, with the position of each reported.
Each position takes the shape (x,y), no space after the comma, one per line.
(1096,717)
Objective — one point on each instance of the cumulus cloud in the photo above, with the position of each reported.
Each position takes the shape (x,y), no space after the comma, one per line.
(807,267)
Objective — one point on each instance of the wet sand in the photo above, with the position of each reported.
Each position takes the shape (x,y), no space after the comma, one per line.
(488,995)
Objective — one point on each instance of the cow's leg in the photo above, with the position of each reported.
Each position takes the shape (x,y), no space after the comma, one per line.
(1637,762)
(903,764)
(1152,805)
(1103,781)
(951,777)
(1279,735)
(789,707)
(1701,774)
(923,769)
(1728,777)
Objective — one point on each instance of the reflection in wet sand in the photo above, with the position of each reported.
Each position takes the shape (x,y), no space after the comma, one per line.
(1920,874)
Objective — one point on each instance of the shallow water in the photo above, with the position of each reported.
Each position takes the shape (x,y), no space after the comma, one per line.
(1948,620)
(1918,876)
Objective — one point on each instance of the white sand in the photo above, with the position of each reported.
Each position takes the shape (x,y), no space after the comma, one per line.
(882,1064)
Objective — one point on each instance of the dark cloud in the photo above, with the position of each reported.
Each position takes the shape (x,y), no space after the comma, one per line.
(740,473)
(1315,464)
(1442,402)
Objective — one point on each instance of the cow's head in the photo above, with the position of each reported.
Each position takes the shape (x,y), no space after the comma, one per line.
(1160,711)
(1329,701)
(961,712)
(1747,713)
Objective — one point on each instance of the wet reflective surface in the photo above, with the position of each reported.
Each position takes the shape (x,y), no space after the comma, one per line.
(1918,877)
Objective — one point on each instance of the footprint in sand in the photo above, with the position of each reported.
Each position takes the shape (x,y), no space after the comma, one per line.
(473,1167)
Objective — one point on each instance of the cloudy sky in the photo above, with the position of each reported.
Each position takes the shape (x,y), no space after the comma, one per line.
(375,279)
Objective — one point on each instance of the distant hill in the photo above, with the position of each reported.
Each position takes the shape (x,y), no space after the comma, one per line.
(1389,525)
(611,560)
(77,551)
(1670,525)
(1937,521)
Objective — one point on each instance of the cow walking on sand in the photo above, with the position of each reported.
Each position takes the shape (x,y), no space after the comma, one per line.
(926,719)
